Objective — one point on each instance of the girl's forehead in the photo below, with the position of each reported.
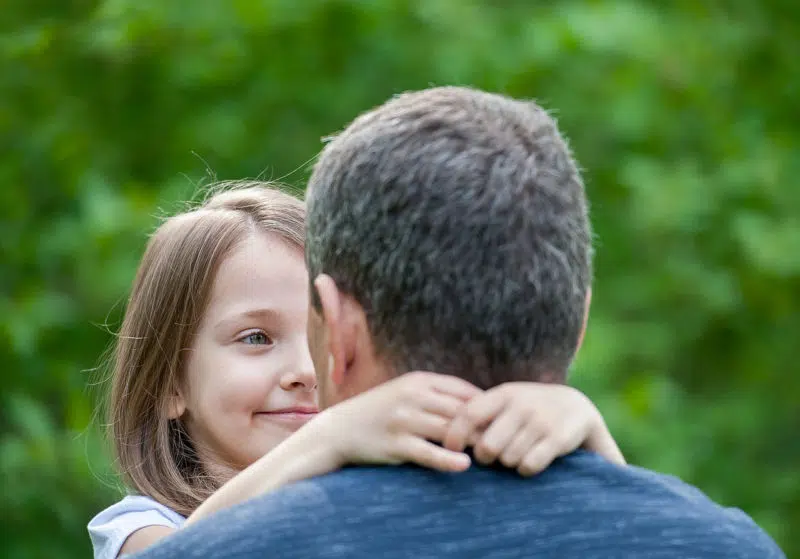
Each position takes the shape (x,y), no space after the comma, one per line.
(261,271)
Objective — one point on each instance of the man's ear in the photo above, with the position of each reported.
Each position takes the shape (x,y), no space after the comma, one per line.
(331,300)
(177,405)
(585,318)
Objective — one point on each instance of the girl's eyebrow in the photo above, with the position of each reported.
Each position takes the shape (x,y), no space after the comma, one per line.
(262,315)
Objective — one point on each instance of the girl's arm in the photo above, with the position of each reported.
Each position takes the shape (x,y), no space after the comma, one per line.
(144,538)
(390,424)
(524,425)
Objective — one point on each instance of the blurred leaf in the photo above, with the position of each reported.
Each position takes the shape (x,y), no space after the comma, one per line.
(682,114)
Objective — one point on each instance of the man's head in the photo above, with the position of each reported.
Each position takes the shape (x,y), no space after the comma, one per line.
(447,231)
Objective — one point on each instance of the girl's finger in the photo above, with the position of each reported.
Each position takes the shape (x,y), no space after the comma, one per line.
(538,458)
(474,415)
(601,442)
(523,441)
(422,424)
(499,435)
(439,403)
(454,386)
(429,455)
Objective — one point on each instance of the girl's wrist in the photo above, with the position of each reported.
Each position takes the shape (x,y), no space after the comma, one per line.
(325,435)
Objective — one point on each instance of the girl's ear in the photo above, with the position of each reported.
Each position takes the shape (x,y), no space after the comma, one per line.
(177,404)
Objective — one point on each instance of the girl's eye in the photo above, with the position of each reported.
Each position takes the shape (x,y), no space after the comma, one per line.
(257,338)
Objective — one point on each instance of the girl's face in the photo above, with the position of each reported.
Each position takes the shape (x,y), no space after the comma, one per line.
(250,382)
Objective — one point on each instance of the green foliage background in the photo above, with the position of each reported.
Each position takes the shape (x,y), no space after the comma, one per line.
(684,115)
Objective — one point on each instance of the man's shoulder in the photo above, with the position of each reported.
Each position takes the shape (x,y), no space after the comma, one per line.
(580,506)
(580,493)
(569,485)
(390,488)
(567,481)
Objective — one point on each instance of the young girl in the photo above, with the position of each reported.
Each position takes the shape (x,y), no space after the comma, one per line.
(213,396)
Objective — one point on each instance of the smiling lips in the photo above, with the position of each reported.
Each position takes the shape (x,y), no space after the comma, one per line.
(295,415)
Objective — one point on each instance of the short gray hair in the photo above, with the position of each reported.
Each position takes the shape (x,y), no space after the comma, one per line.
(458,220)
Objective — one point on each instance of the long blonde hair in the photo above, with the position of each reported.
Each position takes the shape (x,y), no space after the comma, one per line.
(169,296)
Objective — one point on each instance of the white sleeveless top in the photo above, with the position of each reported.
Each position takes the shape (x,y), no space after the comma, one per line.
(111,527)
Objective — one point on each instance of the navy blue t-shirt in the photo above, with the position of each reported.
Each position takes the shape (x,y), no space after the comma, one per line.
(581,507)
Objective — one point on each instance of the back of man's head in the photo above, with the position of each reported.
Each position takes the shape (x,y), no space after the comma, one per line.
(458,220)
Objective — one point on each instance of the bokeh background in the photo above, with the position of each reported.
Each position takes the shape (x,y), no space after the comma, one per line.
(684,114)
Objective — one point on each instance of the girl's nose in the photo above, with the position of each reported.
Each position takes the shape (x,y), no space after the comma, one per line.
(300,378)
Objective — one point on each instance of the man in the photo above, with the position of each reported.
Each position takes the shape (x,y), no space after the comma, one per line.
(448,231)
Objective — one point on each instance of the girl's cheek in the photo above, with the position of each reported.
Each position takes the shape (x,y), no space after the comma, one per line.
(246,390)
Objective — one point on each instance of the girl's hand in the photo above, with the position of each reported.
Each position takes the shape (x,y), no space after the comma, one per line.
(395,422)
(527,425)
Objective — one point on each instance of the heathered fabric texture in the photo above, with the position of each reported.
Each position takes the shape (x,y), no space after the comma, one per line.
(581,507)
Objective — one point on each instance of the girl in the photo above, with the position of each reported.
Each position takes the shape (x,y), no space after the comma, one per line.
(213,396)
